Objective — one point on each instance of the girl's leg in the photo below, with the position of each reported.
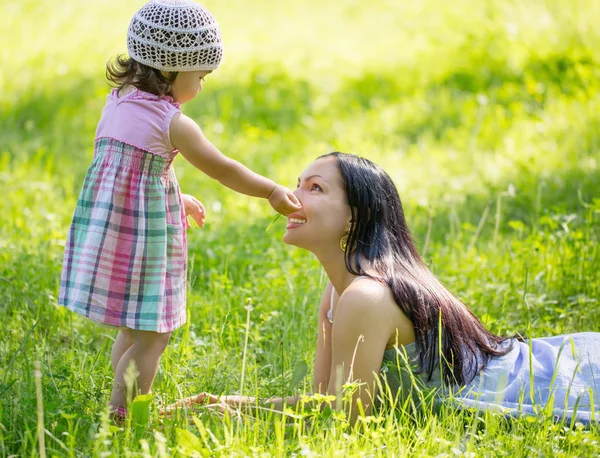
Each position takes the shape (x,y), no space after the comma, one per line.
(122,343)
(145,352)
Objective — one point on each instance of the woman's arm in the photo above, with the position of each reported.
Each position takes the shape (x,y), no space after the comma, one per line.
(365,319)
(366,316)
(323,354)
(322,363)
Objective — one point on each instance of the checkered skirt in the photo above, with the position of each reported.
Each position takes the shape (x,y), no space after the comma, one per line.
(125,259)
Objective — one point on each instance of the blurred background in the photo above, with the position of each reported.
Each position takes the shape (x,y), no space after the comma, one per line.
(453,98)
(486,115)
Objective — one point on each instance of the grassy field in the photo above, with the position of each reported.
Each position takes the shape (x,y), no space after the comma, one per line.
(487,116)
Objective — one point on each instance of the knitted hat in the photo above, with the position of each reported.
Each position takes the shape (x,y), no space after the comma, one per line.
(175,35)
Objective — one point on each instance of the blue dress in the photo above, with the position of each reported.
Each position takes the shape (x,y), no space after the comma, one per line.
(557,375)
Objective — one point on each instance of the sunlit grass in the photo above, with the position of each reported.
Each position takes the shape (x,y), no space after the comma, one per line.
(486,114)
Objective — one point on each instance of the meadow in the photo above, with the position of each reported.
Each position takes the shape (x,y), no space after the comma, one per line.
(486,115)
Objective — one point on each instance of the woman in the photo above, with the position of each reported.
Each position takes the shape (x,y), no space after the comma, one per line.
(385,321)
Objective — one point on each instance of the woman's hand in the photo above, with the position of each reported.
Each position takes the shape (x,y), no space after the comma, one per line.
(230,401)
(188,403)
(212,402)
(194,208)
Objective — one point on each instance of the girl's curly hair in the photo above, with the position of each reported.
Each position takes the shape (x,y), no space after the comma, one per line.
(124,71)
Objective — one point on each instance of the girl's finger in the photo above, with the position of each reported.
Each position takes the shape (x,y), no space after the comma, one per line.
(199,203)
(294,199)
(194,207)
(196,203)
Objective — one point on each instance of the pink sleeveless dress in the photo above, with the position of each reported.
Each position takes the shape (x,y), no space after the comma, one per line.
(125,260)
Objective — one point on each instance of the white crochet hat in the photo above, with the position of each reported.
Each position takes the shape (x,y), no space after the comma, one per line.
(175,35)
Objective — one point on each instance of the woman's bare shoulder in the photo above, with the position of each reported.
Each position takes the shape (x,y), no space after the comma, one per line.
(371,293)
(372,301)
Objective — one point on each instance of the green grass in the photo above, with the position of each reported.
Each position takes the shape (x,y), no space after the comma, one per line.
(487,116)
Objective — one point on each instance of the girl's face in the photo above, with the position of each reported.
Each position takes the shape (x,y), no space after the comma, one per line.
(325,215)
(187,85)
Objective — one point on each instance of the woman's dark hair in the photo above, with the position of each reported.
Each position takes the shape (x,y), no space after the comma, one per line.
(123,71)
(380,241)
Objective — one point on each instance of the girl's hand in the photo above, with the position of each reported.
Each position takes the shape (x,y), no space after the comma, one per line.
(194,208)
(283,200)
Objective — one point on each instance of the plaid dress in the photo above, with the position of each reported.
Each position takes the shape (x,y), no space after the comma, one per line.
(125,259)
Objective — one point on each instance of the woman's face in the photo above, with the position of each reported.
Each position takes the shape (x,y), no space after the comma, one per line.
(325,215)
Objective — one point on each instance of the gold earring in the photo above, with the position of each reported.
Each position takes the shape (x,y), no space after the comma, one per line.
(344,242)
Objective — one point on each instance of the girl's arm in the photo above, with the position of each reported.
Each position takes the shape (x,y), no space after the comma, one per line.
(187,137)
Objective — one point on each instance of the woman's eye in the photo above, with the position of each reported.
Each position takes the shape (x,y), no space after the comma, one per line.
(316,187)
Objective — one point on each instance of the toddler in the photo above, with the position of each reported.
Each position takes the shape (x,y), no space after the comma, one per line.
(125,260)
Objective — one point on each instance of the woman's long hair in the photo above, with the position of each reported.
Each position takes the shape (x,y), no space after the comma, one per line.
(380,241)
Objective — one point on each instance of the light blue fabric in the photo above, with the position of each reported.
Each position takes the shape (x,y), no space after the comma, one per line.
(557,375)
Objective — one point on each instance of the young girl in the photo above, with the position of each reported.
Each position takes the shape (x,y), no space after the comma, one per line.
(126,255)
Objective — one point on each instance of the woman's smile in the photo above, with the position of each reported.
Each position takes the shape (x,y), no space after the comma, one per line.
(295,221)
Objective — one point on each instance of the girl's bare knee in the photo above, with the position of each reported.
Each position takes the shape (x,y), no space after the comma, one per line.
(128,335)
(163,339)
(154,341)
